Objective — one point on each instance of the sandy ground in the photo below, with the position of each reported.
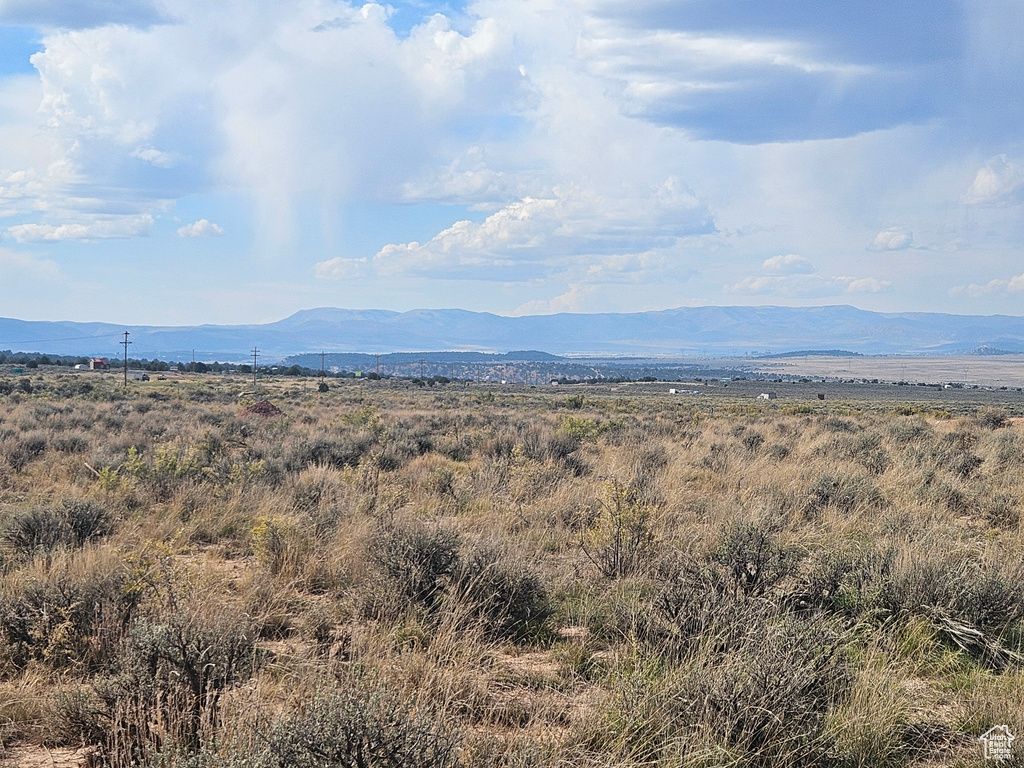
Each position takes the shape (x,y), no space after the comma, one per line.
(41,757)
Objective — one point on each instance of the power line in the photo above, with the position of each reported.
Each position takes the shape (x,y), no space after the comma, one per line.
(125,344)
(67,338)
(255,357)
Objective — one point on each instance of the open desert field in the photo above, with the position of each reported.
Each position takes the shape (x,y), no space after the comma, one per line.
(983,370)
(195,574)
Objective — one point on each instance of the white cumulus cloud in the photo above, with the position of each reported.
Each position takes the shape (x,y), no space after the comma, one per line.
(155,157)
(573,300)
(788,264)
(201,228)
(547,232)
(997,181)
(892,239)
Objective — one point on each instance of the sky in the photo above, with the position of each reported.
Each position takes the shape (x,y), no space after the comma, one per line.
(186,161)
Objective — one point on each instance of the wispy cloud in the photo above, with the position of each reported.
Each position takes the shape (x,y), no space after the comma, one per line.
(96,229)
(340,268)
(995,287)
(19,265)
(807,286)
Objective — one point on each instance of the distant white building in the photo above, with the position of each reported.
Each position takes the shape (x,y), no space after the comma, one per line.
(766,396)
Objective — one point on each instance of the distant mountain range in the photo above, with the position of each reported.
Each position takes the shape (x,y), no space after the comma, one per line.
(730,331)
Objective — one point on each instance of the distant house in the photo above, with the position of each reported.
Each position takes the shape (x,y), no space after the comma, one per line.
(99,364)
(766,396)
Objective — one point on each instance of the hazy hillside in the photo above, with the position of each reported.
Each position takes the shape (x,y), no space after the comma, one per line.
(688,331)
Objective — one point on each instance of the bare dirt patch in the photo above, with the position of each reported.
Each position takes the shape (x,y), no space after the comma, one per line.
(41,757)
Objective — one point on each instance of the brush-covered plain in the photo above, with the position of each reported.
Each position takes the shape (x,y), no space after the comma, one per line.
(387,574)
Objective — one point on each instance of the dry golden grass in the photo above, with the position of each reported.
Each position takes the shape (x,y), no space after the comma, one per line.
(519,577)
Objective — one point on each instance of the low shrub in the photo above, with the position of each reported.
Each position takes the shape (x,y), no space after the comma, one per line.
(843,492)
(175,669)
(416,562)
(337,453)
(64,620)
(360,727)
(753,558)
(768,698)
(508,596)
(69,525)
(695,607)
(621,542)
(991,418)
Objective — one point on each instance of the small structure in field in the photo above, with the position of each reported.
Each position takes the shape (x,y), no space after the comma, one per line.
(99,364)
(263,408)
(766,396)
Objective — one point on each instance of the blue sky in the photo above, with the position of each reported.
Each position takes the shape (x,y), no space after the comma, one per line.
(181,161)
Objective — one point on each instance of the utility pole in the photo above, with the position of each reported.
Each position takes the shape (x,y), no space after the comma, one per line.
(255,357)
(323,365)
(378,366)
(125,344)
(193,361)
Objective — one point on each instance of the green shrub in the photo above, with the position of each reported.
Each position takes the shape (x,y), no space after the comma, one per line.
(905,431)
(845,579)
(621,542)
(70,443)
(717,458)
(695,607)
(752,441)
